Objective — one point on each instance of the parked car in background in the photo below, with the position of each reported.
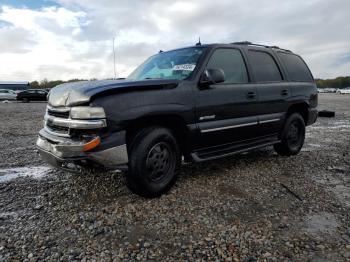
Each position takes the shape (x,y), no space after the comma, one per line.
(344,91)
(32,95)
(7,94)
(326,90)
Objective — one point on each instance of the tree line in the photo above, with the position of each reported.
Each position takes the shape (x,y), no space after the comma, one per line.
(339,82)
(46,84)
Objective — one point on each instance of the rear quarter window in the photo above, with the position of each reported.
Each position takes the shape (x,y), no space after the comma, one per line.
(296,68)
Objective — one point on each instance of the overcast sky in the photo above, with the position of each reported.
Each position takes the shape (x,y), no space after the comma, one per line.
(67,39)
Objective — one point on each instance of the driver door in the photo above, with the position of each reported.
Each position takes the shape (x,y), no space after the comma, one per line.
(227,112)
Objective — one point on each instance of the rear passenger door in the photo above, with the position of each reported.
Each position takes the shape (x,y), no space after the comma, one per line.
(273,91)
(226,112)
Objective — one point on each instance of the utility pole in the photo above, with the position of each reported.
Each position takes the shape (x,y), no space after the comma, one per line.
(115,74)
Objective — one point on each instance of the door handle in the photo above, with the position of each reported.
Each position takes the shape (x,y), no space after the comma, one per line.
(251,95)
(284,92)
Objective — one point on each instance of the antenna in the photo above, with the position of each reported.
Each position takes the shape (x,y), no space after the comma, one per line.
(199,41)
(115,75)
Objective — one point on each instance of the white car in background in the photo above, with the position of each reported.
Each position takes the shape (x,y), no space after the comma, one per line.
(343,91)
(7,94)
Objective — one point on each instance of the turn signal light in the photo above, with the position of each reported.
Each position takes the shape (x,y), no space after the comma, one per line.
(92,144)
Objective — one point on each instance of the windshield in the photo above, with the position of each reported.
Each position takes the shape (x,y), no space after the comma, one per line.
(177,64)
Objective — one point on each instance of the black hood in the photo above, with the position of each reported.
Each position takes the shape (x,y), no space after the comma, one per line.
(77,93)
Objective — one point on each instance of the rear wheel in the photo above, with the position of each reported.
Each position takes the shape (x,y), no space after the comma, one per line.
(292,136)
(154,160)
(25,100)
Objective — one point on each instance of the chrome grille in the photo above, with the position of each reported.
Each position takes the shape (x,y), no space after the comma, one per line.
(63,114)
(58,122)
(58,112)
(58,129)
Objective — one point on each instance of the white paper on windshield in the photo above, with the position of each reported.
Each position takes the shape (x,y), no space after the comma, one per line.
(184,67)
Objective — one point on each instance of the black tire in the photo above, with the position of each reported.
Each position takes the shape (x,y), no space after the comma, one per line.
(292,136)
(154,161)
(25,100)
(326,113)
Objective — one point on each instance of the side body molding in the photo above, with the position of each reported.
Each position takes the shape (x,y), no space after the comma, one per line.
(212,126)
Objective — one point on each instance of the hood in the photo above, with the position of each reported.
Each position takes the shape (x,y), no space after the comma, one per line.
(77,93)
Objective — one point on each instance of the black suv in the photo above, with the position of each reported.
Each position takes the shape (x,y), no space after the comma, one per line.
(32,95)
(193,104)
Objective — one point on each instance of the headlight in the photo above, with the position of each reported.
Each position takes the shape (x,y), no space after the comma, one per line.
(87,112)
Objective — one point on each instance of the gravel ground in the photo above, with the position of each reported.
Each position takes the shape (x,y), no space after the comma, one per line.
(251,207)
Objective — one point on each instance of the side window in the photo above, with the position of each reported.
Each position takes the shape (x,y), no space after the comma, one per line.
(231,61)
(264,67)
(296,67)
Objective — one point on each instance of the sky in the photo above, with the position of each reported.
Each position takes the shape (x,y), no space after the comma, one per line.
(65,39)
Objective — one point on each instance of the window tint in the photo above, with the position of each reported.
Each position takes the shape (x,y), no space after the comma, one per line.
(296,68)
(231,61)
(264,67)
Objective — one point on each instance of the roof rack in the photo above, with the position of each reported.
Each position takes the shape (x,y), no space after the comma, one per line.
(266,46)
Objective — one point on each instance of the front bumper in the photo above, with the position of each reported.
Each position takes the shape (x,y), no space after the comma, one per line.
(59,151)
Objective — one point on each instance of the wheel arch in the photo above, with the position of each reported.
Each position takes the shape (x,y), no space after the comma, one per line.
(175,123)
(302,108)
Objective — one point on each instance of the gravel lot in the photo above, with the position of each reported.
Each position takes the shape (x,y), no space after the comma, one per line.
(234,209)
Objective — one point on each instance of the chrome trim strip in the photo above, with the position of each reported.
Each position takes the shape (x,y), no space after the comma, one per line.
(228,127)
(76,124)
(268,121)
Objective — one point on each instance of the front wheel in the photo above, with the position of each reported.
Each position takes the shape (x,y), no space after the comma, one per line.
(292,136)
(154,161)
(25,100)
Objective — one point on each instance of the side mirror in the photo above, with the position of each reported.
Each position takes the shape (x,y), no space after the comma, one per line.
(212,76)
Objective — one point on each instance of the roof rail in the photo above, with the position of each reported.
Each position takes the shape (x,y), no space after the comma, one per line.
(266,46)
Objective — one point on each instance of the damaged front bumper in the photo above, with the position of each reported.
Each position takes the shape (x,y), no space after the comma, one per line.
(62,152)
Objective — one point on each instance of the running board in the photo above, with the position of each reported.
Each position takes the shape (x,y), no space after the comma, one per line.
(230,149)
